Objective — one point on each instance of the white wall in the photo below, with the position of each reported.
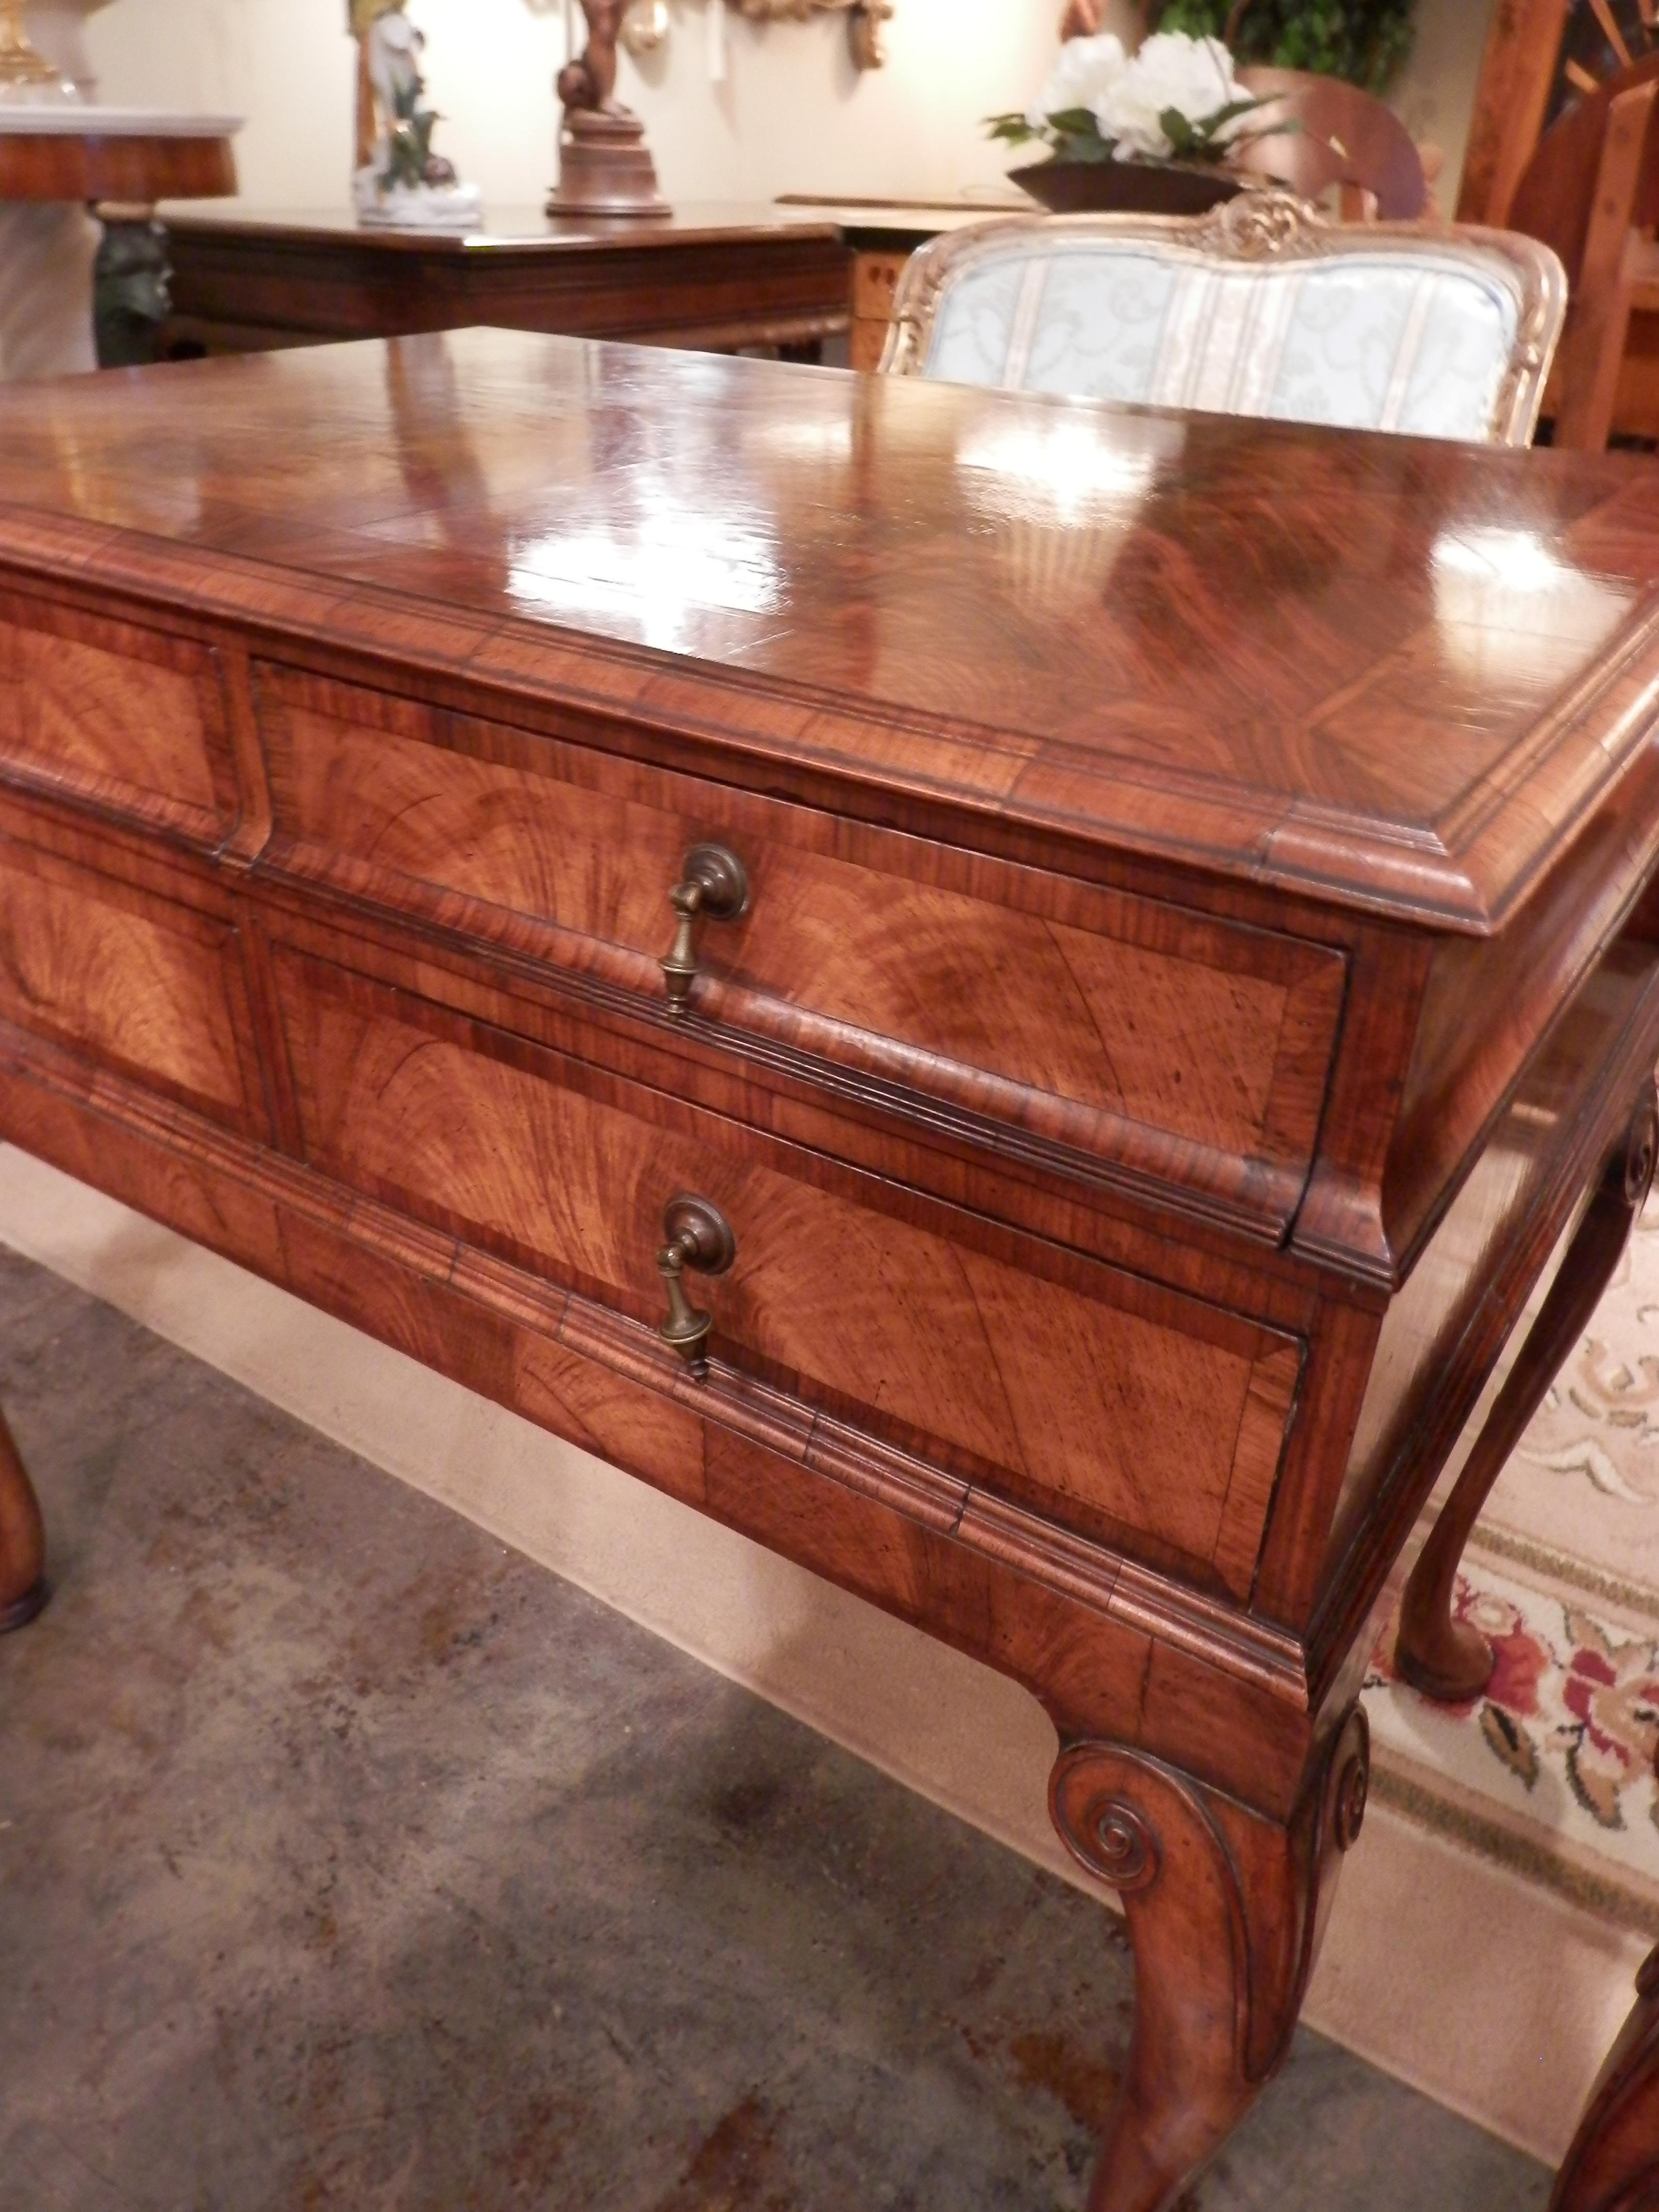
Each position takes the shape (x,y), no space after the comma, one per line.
(792,114)
(1436,92)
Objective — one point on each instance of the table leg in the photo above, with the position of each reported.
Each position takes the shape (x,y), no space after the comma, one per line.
(1613,2163)
(47,257)
(22,1540)
(1448,1659)
(1225,1908)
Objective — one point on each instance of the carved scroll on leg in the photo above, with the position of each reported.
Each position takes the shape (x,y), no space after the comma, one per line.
(1613,2163)
(1225,1910)
(1446,1658)
(23,1541)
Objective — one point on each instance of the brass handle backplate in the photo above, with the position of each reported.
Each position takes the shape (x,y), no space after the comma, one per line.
(713,886)
(695,1235)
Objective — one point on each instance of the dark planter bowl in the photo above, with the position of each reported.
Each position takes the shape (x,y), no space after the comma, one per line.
(1127,187)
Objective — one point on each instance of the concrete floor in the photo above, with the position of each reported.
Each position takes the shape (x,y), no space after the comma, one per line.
(347,1860)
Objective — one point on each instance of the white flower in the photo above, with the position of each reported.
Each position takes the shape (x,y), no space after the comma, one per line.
(1192,76)
(1083,72)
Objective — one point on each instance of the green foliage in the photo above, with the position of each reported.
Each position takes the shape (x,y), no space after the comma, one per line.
(409,141)
(1363,40)
(1203,141)
(1073,133)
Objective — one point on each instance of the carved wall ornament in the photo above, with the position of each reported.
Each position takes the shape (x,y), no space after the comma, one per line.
(866,21)
(644,25)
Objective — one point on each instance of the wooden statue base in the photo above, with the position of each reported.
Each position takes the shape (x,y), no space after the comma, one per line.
(605,168)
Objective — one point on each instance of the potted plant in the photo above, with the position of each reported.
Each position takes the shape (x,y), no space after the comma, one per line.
(1151,131)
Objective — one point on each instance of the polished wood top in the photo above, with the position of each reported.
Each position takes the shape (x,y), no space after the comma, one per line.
(1389,673)
(793,215)
(504,230)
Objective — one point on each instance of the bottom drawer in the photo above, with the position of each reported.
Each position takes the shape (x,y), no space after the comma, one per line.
(1120,1408)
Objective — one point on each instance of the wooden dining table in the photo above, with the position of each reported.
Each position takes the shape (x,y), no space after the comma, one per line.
(1011,997)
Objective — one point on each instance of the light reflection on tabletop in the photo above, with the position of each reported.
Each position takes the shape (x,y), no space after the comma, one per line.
(1287,616)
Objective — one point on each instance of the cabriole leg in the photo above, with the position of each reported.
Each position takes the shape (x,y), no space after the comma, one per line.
(1225,1910)
(22,1540)
(1449,1659)
(1613,2163)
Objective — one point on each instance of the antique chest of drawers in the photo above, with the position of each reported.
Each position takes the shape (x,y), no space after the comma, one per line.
(1009,997)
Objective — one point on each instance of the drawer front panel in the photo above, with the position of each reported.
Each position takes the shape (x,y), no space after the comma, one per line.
(114,712)
(145,984)
(1191,1052)
(1119,1408)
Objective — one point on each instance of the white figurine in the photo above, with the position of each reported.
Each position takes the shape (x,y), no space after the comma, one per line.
(398,180)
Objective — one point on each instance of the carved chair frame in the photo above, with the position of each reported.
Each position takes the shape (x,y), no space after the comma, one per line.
(1260,227)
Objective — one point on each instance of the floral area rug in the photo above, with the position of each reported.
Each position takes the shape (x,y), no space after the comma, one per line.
(1553,1771)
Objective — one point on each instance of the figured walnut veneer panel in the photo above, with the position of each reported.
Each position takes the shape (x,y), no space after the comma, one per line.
(114,712)
(1115,1404)
(1380,672)
(1186,1048)
(143,983)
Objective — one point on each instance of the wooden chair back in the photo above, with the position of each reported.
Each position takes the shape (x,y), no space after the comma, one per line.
(1557,189)
(1591,193)
(1344,137)
(1261,307)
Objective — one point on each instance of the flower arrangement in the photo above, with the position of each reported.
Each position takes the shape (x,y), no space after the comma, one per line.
(1176,100)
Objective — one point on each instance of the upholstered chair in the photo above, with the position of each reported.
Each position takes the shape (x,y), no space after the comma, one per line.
(1261,307)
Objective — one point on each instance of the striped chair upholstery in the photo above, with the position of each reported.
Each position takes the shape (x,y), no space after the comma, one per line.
(1261,307)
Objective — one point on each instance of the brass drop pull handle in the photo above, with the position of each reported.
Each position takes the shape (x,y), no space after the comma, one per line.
(714,887)
(695,1235)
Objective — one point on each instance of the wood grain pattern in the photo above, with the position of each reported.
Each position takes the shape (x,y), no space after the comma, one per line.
(1510,1177)
(1124,1409)
(824,586)
(1100,1023)
(1078,1622)
(1205,940)
(1225,1912)
(715,277)
(145,984)
(123,715)
(1523,52)
(130,168)
(1618,254)
(1486,1003)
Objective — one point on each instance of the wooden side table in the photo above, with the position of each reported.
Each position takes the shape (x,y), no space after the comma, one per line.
(717,278)
(55,163)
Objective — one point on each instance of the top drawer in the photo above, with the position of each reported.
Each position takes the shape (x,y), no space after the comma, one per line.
(986,997)
(108,711)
